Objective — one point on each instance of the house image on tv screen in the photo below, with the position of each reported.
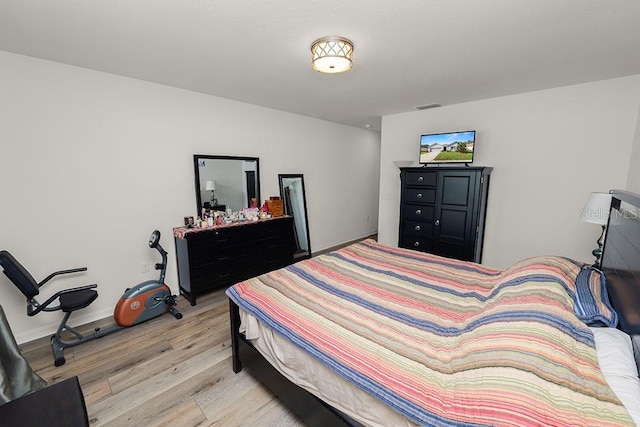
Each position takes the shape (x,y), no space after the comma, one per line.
(447,147)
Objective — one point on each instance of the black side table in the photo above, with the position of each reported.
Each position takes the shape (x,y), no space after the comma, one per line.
(58,405)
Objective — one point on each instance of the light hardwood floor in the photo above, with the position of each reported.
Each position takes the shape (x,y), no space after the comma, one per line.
(165,372)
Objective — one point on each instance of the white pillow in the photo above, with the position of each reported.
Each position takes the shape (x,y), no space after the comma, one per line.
(618,364)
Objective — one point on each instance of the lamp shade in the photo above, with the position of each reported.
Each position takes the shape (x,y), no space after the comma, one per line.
(211,185)
(596,210)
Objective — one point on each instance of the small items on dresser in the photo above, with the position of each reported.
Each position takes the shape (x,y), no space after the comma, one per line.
(275,206)
(215,218)
(251,214)
(264,210)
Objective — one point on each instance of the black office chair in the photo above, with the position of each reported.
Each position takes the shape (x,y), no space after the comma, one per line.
(67,300)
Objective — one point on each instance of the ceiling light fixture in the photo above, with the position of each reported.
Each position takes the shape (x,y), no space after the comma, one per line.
(332,54)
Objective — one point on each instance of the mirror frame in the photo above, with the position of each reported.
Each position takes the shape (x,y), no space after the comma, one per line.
(282,176)
(196,170)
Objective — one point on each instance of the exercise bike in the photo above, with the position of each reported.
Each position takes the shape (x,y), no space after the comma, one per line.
(140,303)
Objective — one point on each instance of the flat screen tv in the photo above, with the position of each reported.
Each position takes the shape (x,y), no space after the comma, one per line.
(451,147)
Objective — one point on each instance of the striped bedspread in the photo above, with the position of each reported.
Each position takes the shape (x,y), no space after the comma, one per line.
(443,342)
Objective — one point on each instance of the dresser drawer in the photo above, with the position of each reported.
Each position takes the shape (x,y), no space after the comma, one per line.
(277,260)
(419,195)
(217,280)
(211,242)
(222,261)
(421,178)
(419,212)
(417,228)
(276,244)
(423,244)
(276,227)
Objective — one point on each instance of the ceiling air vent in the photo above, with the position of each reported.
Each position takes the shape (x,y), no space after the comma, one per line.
(427,106)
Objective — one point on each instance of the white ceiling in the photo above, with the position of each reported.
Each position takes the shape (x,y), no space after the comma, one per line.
(407,52)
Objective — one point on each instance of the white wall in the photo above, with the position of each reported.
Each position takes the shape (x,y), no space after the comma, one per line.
(633,178)
(91,163)
(549,150)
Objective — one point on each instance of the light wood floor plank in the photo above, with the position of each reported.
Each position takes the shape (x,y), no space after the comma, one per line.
(229,390)
(237,410)
(153,386)
(96,391)
(168,405)
(154,367)
(238,401)
(272,414)
(187,414)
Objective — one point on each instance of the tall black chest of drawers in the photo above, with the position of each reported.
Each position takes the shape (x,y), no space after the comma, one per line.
(443,210)
(221,256)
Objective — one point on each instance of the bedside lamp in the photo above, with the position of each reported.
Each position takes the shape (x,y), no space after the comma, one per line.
(211,186)
(596,211)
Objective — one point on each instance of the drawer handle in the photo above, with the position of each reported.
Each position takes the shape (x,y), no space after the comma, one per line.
(417,228)
(420,179)
(437,222)
(223,275)
(419,195)
(418,212)
(222,258)
(416,244)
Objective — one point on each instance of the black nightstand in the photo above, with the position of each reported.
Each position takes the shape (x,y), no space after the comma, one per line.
(221,208)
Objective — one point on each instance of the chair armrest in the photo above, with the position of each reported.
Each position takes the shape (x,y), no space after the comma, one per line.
(57,273)
(44,306)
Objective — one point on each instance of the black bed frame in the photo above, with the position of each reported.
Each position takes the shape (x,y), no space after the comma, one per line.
(621,259)
(620,262)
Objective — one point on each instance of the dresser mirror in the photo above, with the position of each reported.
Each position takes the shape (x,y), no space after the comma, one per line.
(293,194)
(223,182)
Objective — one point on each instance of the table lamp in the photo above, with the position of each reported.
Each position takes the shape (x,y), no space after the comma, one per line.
(211,186)
(596,211)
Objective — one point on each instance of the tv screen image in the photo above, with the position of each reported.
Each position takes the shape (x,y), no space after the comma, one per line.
(451,147)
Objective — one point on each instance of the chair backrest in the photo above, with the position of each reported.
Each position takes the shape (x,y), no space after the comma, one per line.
(19,275)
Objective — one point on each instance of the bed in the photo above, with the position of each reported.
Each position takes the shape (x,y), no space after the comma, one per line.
(374,335)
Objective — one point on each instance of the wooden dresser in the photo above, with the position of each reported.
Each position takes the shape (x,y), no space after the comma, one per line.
(220,256)
(442,210)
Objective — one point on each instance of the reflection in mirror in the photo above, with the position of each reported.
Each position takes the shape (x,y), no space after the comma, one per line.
(295,204)
(223,182)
